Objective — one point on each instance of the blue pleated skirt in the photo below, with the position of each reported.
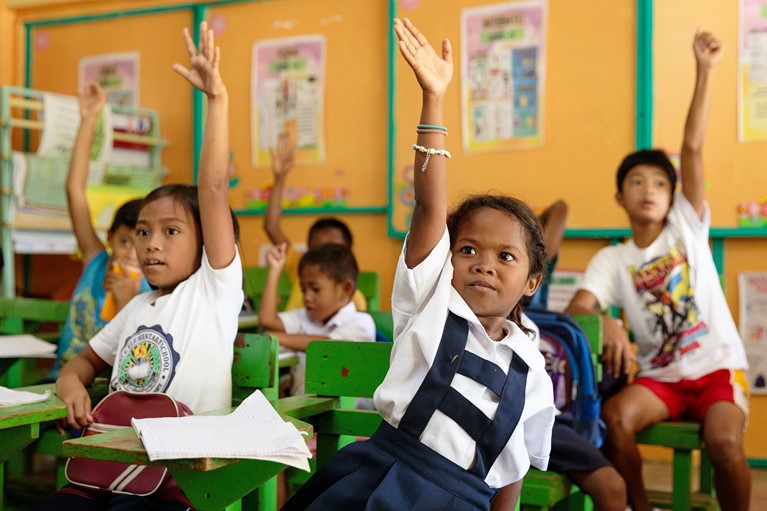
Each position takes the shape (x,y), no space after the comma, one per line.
(391,471)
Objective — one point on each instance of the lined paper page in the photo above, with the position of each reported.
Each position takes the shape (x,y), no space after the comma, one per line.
(254,430)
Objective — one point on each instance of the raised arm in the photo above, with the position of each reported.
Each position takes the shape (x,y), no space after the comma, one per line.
(283,156)
(554,220)
(433,73)
(92,100)
(708,50)
(213,179)
(267,310)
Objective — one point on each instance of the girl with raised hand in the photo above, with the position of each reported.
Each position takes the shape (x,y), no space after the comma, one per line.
(467,405)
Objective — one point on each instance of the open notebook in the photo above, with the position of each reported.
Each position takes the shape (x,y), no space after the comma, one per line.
(254,430)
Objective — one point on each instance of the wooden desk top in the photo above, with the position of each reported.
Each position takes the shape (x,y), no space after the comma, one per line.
(126,447)
(21,415)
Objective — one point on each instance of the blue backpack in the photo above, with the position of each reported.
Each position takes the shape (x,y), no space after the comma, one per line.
(583,402)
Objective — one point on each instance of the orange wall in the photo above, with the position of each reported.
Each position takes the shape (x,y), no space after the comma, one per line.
(588,108)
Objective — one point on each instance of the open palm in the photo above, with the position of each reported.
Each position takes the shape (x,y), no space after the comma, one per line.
(432,71)
(203,64)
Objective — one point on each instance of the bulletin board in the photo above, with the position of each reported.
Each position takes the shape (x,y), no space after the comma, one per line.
(57,47)
(353,175)
(588,113)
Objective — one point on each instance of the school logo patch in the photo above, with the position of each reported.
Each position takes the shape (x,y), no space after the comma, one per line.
(147,361)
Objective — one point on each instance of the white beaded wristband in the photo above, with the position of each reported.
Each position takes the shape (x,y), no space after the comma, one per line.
(428,151)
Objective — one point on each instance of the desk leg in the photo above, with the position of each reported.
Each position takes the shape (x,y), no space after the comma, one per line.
(13,440)
(216,489)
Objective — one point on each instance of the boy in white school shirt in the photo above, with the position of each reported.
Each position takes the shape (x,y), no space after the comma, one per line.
(328,276)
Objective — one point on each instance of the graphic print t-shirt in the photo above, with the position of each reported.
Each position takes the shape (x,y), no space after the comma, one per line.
(181,344)
(672,299)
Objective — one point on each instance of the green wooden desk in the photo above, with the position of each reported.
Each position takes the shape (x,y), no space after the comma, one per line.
(20,425)
(211,484)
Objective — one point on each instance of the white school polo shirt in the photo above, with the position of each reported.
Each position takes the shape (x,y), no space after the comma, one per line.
(421,299)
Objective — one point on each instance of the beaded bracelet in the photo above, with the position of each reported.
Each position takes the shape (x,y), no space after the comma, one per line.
(430,130)
(428,152)
(432,127)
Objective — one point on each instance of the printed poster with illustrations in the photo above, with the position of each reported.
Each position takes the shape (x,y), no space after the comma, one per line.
(117,73)
(503,67)
(752,291)
(288,96)
(752,71)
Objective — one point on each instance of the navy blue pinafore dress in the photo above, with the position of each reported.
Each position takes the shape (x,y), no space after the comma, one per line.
(395,471)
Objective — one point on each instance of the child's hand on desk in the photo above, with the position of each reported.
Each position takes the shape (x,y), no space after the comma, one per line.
(74,394)
(617,355)
(275,258)
(92,100)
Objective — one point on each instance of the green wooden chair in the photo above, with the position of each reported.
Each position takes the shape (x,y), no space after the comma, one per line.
(684,439)
(254,278)
(369,284)
(41,317)
(384,324)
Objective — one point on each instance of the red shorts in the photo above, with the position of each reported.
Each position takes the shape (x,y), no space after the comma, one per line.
(691,399)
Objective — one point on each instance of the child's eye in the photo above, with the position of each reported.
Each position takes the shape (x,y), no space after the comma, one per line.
(505,256)
(468,250)
(661,184)
(172,231)
(141,233)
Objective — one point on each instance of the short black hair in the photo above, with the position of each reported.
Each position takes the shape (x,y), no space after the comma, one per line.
(337,261)
(331,223)
(652,157)
(126,215)
(186,195)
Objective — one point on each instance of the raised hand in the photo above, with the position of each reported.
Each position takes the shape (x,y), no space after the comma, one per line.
(203,63)
(432,71)
(275,258)
(92,100)
(707,48)
(283,154)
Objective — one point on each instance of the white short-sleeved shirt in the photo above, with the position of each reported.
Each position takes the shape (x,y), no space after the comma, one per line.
(346,324)
(672,299)
(421,299)
(181,343)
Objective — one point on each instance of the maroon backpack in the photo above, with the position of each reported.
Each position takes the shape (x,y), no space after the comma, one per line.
(115,412)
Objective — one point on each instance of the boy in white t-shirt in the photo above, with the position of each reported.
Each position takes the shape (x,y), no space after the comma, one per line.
(691,359)
(328,276)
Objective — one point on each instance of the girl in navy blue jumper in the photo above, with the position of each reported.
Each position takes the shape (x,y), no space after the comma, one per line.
(467,404)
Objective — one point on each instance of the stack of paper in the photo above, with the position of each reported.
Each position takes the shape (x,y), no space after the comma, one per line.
(254,430)
(19,346)
(11,397)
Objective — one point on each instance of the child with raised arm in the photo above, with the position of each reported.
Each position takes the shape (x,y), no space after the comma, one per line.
(324,230)
(179,338)
(691,358)
(110,278)
(328,277)
(467,405)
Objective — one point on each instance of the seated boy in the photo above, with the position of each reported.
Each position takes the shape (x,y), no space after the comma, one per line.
(324,230)
(328,276)
(691,358)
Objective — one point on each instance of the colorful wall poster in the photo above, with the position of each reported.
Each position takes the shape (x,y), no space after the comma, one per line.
(503,67)
(752,291)
(752,71)
(117,73)
(61,119)
(288,96)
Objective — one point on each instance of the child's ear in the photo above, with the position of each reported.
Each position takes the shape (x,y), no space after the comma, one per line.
(619,199)
(533,281)
(348,287)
